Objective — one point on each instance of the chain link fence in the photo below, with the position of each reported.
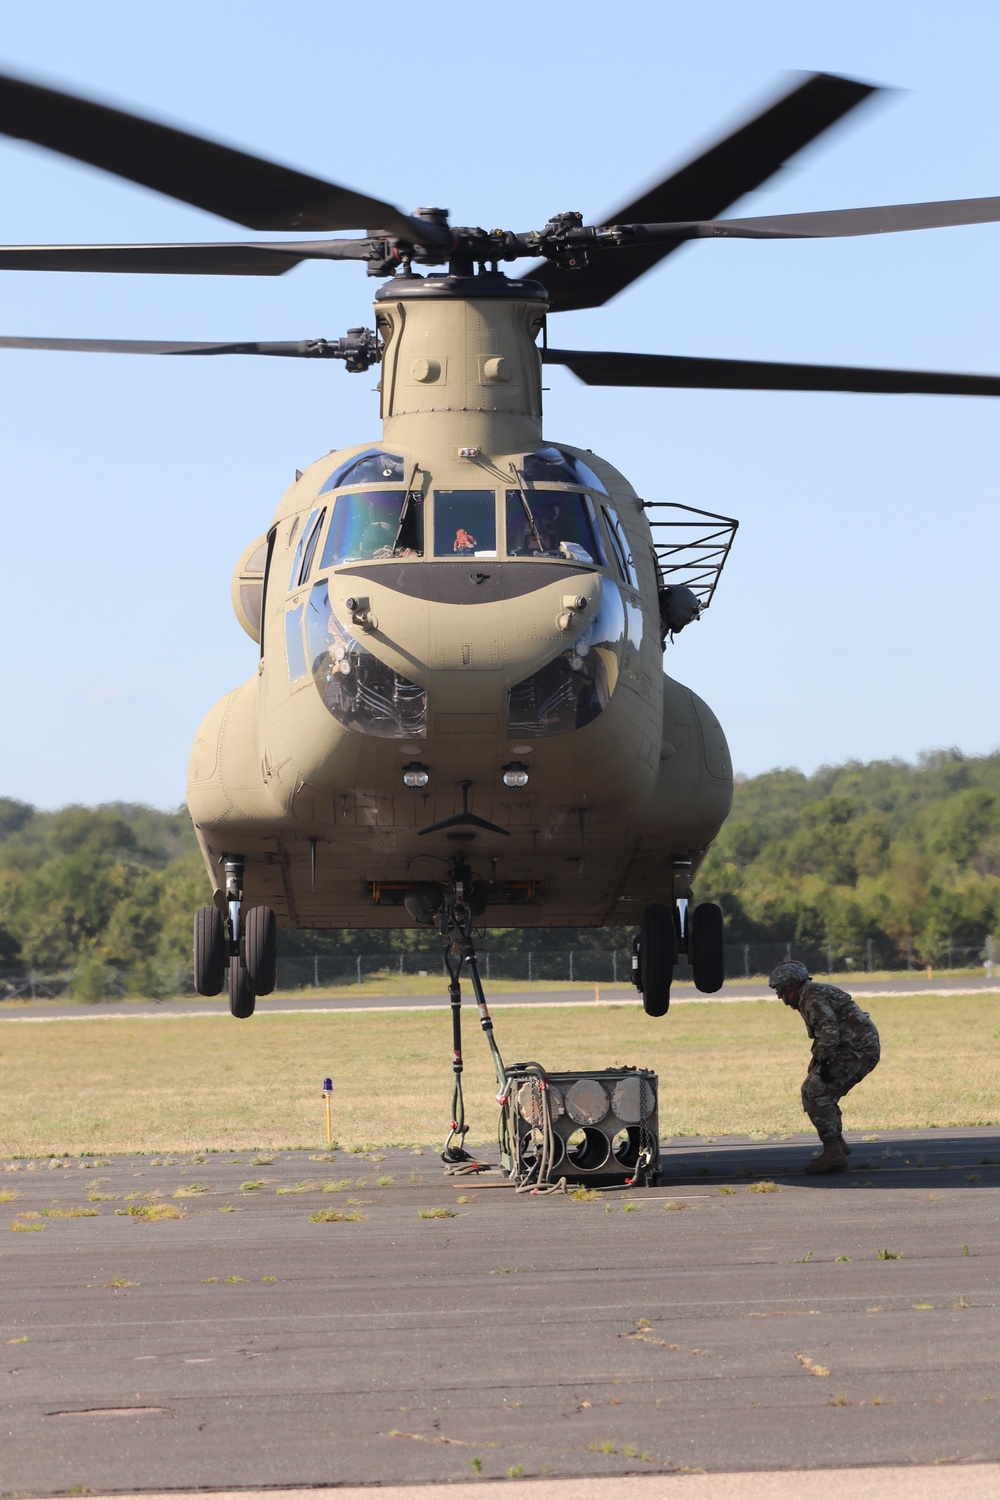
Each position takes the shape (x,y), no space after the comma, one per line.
(109,984)
(575,966)
(324,971)
(869,955)
(590,966)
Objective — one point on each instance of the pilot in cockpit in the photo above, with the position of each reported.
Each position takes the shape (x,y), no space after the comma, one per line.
(543,535)
(376,538)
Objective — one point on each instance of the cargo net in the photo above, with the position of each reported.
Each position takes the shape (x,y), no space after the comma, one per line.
(597,1128)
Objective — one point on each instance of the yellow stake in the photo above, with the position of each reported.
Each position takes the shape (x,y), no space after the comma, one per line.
(597,994)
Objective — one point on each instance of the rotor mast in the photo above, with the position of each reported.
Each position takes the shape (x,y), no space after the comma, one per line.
(461,347)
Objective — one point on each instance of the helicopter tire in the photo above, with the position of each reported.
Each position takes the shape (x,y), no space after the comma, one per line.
(241,991)
(656,958)
(260,943)
(209,951)
(707,952)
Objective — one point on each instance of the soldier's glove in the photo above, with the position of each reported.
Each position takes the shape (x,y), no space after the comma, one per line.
(825,1072)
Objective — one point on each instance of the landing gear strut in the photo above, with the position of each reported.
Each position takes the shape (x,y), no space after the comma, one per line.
(671,932)
(242,996)
(457,927)
(239,948)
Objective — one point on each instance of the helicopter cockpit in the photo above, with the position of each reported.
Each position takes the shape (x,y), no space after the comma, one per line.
(378,516)
(552,509)
(378,525)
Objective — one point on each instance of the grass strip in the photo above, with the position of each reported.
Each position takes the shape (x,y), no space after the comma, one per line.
(212,1083)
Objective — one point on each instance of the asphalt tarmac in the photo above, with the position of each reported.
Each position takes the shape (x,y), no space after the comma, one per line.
(702,1325)
(299,1001)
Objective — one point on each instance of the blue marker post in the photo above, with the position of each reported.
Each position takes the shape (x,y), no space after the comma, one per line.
(327,1098)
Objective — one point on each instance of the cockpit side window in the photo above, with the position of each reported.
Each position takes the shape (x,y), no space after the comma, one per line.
(297,559)
(371,467)
(310,543)
(620,547)
(271,536)
(552,523)
(374,524)
(294,647)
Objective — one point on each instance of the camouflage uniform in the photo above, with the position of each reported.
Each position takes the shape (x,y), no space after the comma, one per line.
(844,1038)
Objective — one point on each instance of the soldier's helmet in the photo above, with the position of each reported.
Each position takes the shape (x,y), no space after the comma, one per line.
(790,972)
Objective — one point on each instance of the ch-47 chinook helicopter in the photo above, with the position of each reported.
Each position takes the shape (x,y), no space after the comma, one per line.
(460,704)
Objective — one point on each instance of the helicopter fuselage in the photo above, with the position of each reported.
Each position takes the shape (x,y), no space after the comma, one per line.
(459,624)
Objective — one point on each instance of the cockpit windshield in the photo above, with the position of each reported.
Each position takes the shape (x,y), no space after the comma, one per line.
(371,467)
(552,523)
(465,523)
(559,467)
(374,524)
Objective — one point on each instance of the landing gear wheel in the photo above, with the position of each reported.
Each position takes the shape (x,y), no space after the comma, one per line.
(707,954)
(241,991)
(260,943)
(656,959)
(209,951)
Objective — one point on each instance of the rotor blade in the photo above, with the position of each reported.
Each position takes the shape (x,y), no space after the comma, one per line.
(299,348)
(260,259)
(184,260)
(689,372)
(890,218)
(707,186)
(246,189)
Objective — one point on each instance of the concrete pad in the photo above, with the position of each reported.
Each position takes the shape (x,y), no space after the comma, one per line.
(967,1482)
(252,1345)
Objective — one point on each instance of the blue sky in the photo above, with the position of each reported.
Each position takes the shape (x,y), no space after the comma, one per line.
(858,615)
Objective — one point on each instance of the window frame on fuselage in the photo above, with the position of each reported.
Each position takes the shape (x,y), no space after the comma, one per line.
(475,497)
(517,496)
(416,497)
(318,529)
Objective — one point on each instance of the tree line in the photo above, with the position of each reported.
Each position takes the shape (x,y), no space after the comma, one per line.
(906,857)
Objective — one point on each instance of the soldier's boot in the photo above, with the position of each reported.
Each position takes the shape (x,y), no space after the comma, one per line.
(843,1145)
(830,1159)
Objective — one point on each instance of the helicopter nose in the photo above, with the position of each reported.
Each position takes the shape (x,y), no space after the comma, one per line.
(485,621)
(482,582)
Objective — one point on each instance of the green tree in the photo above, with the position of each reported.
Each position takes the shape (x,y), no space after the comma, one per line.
(906,857)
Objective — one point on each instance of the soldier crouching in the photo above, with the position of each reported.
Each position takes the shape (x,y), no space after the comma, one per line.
(845,1049)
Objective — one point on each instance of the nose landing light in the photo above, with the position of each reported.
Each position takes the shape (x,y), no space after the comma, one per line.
(515,775)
